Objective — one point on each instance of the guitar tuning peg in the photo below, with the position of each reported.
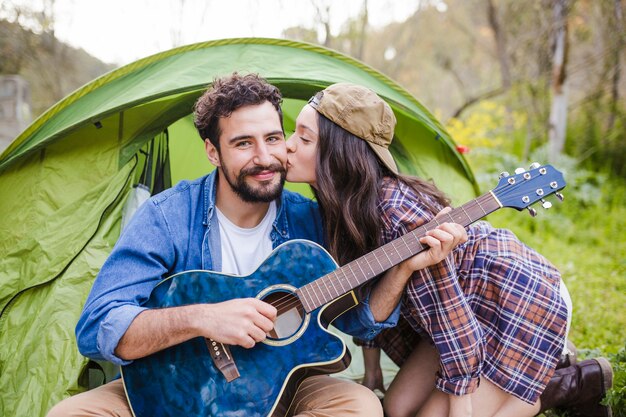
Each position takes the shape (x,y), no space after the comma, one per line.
(535,165)
(519,170)
(503,174)
(532,211)
(545,204)
(559,196)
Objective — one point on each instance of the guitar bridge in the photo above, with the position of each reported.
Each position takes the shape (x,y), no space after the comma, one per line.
(222,359)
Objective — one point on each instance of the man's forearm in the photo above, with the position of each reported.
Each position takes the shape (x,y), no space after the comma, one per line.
(157,329)
(242,322)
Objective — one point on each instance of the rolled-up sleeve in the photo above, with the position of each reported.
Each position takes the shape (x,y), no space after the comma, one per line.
(435,296)
(435,301)
(111,330)
(139,260)
(359,321)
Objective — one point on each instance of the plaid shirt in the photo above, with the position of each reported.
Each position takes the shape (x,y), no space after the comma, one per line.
(492,308)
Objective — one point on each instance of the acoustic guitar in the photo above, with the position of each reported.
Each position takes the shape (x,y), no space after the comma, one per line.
(201,377)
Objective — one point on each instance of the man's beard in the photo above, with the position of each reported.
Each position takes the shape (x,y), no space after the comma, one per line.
(262,193)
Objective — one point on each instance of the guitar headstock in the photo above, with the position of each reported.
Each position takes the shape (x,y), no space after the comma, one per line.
(524,188)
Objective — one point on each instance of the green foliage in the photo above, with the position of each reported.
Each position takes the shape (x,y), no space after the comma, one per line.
(582,236)
(489,125)
(597,136)
(616,397)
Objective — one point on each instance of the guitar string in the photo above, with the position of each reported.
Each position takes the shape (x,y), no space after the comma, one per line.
(291,300)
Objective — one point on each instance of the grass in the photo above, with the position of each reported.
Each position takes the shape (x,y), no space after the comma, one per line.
(585,238)
(588,246)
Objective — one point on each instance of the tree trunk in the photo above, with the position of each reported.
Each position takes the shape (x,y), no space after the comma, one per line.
(364,21)
(322,16)
(619,45)
(503,59)
(558,110)
(500,39)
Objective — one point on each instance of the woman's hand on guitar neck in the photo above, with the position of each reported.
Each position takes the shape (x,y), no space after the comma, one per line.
(440,241)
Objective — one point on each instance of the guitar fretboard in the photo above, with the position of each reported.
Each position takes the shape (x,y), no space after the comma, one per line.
(342,280)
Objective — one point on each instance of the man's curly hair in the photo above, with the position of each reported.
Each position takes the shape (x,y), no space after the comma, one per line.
(228,94)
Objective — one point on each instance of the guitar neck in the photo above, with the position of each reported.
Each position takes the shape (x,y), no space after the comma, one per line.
(342,280)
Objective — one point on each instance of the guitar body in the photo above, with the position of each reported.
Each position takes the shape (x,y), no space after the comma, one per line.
(183,381)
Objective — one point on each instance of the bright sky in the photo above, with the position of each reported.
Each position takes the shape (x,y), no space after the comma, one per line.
(121,31)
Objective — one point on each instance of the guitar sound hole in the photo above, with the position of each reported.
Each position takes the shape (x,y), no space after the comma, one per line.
(290,314)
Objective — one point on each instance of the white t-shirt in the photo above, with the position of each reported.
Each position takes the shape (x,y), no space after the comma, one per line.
(243,250)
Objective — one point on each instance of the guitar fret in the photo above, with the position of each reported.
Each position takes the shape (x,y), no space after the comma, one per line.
(334,288)
(367,260)
(345,277)
(328,289)
(466,215)
(387,255)
(319,290)
(374,266)
(351,271)
(340,283)
(308,303)
(312,294)
(397,252)
(405,243)
(362,272)
(307,297)
(378,260)
(481,207)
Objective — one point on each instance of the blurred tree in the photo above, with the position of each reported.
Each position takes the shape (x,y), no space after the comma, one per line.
(601,114)
(617,40)
(500,41)
(51,57)
(352,39)
(322,18)
(558,110)
(12,37)
(185,14)
(301,34)
(14,41)
(452,55)
(29,47)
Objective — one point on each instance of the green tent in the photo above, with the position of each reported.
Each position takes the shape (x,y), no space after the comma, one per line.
(65,180)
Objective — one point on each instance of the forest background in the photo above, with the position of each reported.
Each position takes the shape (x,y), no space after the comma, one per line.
(513,81)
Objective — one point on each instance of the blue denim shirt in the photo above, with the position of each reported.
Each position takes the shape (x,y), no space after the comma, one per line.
(176,231)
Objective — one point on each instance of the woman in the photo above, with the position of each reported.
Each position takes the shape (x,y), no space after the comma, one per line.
(486,325)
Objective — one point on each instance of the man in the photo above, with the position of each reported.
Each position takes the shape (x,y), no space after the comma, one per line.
(228,221)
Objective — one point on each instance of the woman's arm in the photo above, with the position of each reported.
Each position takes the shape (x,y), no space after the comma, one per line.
(386,293)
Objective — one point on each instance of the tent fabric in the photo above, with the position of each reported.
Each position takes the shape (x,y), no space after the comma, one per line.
(65,179)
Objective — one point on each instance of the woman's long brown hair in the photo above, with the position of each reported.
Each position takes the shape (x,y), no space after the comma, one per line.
(349,176)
